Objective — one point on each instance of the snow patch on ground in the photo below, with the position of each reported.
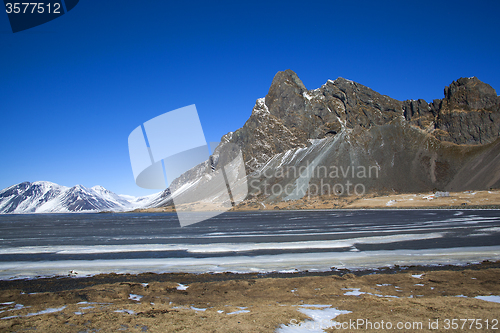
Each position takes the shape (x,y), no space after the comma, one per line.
(135,297)
(490,298)
(182,287)
(322,319)
(242,310)
(130,312)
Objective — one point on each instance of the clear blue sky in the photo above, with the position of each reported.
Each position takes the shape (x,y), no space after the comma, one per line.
(73,89)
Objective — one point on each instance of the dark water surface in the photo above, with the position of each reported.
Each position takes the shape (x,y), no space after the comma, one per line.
(126,236)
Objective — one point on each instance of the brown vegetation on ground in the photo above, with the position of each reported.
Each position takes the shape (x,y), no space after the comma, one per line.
(476,199)
(455,200)
(246,303)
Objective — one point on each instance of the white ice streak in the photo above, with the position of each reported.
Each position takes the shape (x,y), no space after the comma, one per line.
(312,261)
(218,247)
(49,310)
(198,309)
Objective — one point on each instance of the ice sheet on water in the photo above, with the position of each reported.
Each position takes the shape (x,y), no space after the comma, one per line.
(322,261)
(219,247)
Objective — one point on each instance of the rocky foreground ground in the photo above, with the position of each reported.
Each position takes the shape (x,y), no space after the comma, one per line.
(411,297)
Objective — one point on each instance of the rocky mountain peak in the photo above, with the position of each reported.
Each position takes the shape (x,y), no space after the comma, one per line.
(470,94)
(469,113)
(284,98)
(287,77)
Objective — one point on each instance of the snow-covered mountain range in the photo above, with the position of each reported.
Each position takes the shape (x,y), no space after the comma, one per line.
(47,197)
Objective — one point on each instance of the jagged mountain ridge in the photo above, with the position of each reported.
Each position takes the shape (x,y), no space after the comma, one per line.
(47,197)
(416,146)
(468,114)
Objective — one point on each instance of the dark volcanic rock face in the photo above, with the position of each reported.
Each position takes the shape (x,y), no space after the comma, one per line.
(290,115)
(470,94)
(468,127)
(468,114)
(315,114)
(265,134)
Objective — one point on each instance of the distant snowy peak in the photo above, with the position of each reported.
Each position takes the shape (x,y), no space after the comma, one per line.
(26,197)
(141,202)
(100,189)
(47,197)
